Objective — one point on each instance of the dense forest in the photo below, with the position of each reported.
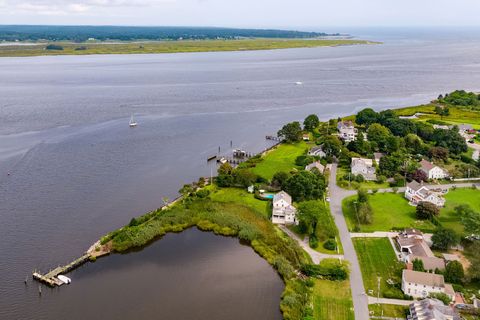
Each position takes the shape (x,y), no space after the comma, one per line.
(125,33)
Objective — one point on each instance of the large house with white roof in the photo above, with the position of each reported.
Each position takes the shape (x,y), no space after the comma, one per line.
(432,309)
(416,193)
(347,131)
(432,171)
(283,211)
(364,167)
(421,284)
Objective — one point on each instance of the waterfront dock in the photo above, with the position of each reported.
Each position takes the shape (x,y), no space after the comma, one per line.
(51,279)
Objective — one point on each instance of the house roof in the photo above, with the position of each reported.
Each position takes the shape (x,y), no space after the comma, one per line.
(426,165)
(317,165)
(378,155)
(429,279)
(432,309)
(282,195)
(414,185)
(412,232)
(362,161)
(430,263)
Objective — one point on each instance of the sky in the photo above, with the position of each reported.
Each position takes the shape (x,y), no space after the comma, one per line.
(299,14)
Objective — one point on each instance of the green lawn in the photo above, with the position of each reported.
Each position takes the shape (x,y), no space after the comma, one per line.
(390,211)
(332,300)
(241,196)
(377,259)
(368,185)
(454,198)
(281,158)
(457,115)
(388,310)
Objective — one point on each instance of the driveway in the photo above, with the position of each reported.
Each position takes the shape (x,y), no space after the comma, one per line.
(315,255)
(397,302)
(337,194)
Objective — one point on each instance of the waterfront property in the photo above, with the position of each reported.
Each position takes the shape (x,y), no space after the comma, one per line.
(363,167)
(432,171)
(421,284)
(283,211)
(416,193)
(431,309)
(346,131)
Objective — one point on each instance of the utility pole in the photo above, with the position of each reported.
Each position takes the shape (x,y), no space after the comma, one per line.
(378,294)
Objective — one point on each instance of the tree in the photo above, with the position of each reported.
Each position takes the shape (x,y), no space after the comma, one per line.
(444,238)
(438,153)
(390,164)
(305,186)
(186,190)
(442,111)
(442,297)
(332,146)
(225,169)
(450,139)
(363,209)
(308,215)
(470,219)
(454,272)
(419,176)
(413,143)
(474,257)
(379,135)
(426,210)
(311,122)
(418,265)
(291,132)
(244,177)
(279,179)
(359,145)
(367,117)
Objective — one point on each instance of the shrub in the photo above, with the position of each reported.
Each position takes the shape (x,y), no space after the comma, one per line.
(442,297)
(426,210)
(313,242)
(330,244)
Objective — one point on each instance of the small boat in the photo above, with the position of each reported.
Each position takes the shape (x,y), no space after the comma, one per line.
(132,123)
(299,83)
(222,160)
(64,279)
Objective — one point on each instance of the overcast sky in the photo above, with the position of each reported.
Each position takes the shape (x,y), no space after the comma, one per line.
(244,13)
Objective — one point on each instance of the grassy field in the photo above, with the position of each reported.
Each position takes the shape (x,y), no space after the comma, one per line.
(169,46)
(242,197)
(369,185)
(388,310)
(454,198)
(281,158)
(390,211)
(332,300)
(377,259)
(457,115)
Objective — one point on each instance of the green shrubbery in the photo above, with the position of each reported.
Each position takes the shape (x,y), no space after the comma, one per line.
(330,269)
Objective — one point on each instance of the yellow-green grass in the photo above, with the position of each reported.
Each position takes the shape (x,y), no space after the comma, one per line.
(368,185)
(390,212)
(388,310)
(170,46)
(332,300)
(242,197)
(454,198)
(377,259)
(458,115)
(282,158)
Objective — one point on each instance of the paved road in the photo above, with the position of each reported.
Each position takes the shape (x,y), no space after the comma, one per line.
(372,300)
(360,300)
(315,255)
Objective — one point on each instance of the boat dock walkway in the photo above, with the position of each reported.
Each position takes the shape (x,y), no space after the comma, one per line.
(51,279)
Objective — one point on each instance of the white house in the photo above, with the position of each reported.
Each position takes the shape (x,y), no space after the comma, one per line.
(432,171)
(283,211)
(363,167)
(316,165)
(416,193)
(317,152)
(422,284)
(432,309)
(347,131)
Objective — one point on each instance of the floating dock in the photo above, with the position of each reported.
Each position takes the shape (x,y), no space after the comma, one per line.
(51,279)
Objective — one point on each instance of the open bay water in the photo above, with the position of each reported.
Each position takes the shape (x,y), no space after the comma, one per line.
(77,171)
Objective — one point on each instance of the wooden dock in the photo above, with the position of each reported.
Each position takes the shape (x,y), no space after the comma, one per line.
(51,279)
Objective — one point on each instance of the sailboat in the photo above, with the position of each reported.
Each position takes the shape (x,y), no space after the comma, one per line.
(132,123)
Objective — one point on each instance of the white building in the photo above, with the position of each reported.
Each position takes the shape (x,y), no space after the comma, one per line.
(363,167)
(317,152)
(347,131)
(432,171)
(422,284)
(283,211)
(316,165)
(431,309)
(416,193)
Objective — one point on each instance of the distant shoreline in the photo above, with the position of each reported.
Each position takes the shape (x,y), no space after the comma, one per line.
(156,47)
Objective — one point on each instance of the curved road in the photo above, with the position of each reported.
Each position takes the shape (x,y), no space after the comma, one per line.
(360,299)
